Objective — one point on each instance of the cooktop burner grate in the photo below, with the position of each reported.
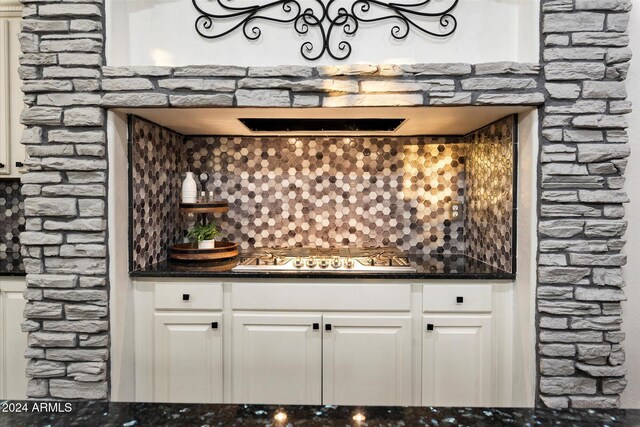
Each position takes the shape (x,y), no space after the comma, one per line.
(306,259)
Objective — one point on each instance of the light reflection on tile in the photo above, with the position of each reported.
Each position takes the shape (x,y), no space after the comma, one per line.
(489,189)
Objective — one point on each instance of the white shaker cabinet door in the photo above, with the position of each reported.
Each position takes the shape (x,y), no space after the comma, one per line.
(188,358)
(457,361)
(13,381)
(12,152)
(276,359)
(367,360)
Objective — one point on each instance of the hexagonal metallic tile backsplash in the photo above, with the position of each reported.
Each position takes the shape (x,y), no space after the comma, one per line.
(11,224)
(155,191)
(310,191)
(489,193)
(325,191)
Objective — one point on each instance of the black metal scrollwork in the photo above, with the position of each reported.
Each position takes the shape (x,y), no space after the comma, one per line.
(334,20)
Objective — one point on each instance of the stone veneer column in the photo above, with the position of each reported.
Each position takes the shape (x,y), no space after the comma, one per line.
(64,245)
(583,158)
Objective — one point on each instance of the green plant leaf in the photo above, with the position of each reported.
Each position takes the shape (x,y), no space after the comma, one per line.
(201,232)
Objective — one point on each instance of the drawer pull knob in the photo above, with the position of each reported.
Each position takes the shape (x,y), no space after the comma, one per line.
(19,164)
(429,326)
(327,327)
(459,300)
(214,325)
(1,165)
(316,326)
(185,297)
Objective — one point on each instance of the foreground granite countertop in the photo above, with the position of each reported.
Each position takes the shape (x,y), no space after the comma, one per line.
(156,414)
(428,266)
(11,264)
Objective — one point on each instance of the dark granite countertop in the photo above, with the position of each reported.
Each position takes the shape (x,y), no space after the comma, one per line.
(11,264)
(89,413)
(428,266)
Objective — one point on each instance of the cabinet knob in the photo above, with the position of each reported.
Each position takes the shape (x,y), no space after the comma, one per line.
(429,326)
(19,164)
(185,297)
(2,165)
(327,327)
(459,300)
(214,325)
(316,326)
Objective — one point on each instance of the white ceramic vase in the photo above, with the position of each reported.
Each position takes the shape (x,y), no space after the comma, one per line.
(189,189)
(207,244)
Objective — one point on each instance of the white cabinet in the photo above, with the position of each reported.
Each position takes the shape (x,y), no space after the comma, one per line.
(348,359)
(13,342)
(367,360)
(457,360)
(179,341)
(12,153)
(276,359)
(302,343)
(188,358)
(10,6)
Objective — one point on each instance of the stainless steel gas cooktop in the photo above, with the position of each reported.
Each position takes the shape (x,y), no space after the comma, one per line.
(343,260)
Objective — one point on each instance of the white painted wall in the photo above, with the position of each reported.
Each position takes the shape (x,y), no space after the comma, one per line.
(162,32)
(631,396)
(524,291)
(121,298)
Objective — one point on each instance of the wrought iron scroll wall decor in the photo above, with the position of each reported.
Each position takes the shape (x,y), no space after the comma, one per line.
(334,20)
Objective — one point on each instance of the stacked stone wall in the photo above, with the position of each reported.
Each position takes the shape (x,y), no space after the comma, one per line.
(584,150)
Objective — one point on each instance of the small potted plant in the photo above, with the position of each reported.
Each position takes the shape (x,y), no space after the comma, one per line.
(204,235)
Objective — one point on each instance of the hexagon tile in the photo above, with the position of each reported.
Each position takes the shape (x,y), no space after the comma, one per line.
(336,191)
(331,191)
(156,167)
(11,225)
(490,203)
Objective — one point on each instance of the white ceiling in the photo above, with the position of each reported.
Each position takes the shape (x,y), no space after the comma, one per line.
(458,120)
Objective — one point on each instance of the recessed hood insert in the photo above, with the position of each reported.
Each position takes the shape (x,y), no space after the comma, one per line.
(321,125)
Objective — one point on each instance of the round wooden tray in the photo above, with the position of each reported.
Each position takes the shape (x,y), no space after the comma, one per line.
(203,266)
(204,208)
(190,252)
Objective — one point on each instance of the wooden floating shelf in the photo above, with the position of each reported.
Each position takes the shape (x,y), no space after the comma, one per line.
(204,208)
(190,252)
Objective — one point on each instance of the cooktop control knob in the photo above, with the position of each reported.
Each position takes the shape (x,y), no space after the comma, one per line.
(336,263)
(323,263)
(298,263)
(348,263)
(311,263)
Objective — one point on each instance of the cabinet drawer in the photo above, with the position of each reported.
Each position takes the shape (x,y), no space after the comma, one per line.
(321,297)
(188,296)
(457,298)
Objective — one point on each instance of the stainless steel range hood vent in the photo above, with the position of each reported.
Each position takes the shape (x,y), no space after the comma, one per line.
(279,125)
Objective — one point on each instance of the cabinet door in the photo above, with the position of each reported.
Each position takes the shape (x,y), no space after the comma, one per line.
(276,359)
(367,360)
(13,382)
(456,361)
(188,358)
(12,153)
